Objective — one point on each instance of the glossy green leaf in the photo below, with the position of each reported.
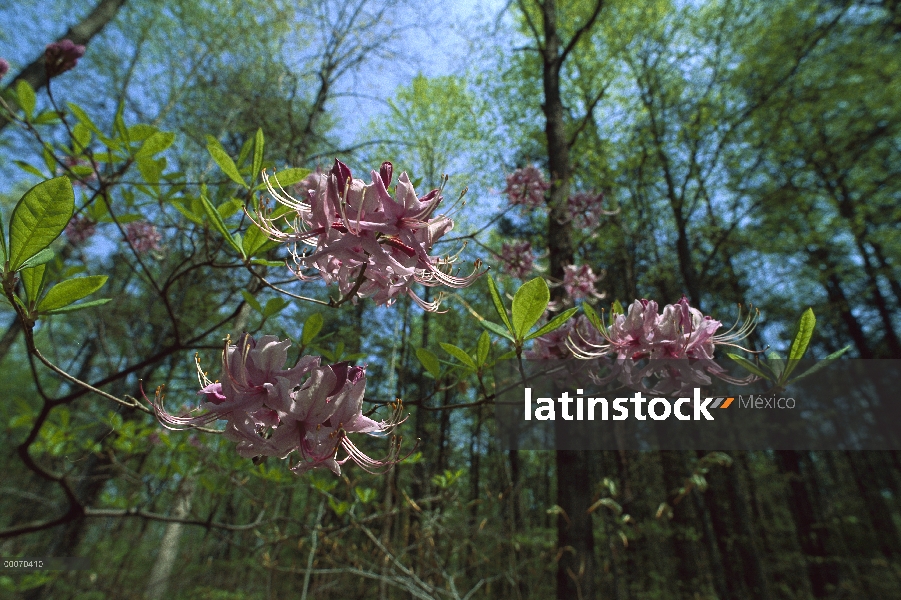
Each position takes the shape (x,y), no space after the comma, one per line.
(80,306)
(151,169)
(483,348)
(499,303)
(529,303)
(29,169)
(495,328)
(286,177)
(69,291)
(311,328)
(224,161)
(254,240)
(33,282)
(819,365)
(156,143)
(593,317)
(804,332)
(83,117)
(553,324)
(253,302)
(27,98)
(749,366)
(274,306)
(775,363)
(429,361)
(3,252)
(257,155)
(219,225)
(42,257)
(459,354)
(39,218)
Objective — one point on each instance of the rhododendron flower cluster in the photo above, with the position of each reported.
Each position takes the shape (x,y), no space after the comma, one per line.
(526,186)
(517,260)
(80,229)
(62,56)
(585,209)
(143,236)
(578,281)
(271,411)
(679,343)
(368,242)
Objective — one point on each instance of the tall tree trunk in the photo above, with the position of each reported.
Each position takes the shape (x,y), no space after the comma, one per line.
(811,532)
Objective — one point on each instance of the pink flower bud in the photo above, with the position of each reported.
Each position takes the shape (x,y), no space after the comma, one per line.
(4,67)
(386,171)
(62,56)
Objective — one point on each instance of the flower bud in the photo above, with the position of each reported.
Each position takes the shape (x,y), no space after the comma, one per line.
(4,67)
(62,56)
(386,171)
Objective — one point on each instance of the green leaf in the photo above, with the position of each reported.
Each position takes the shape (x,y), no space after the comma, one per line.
(218,225)
(67,292)
(553,324)
(529,303)
(2,241)
(775,363)
(268,263)
(257,155)
(74,307)
(802,339)
(33,282)
(429,361)
(27,98)
(81,136)
(256,241)
(224,161)
(285,178)
(151,169)
(39,218)
(274,306)
(155,144)
(82,116)
(821,364)
(459,354)
(311,328)
(227,209)
(748,365)
(616,309)
(187,212)
(42,257)
(29,169)
(46,117)
(253,302)
(499,304)
(483,348)
(593,317)
(495,328)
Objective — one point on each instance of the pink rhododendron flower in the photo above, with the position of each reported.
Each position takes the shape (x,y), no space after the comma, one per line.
(517,260)
(679,343)
(366,241)
(143,236)
(4,67)
(80,229)
(526,186)
(556,345)
(578,281)
(62,56)
(585,209)
(272,411)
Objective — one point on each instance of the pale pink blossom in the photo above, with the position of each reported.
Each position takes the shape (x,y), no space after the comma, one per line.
(365,240)
(143,236)
(80,229)
(517,259)
(526,186)
(678,343)
(586,209)
(579,282)
(272,411)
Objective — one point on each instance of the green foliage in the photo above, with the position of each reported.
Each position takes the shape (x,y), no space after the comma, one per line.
(38,219)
